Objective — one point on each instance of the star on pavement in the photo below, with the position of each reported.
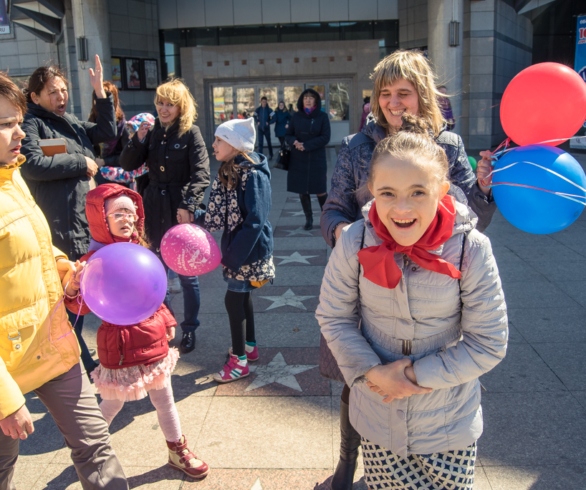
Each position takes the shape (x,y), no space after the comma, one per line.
(298,231)
(257,485)
(295,257)
(277,371)
(296,213)
(287,299)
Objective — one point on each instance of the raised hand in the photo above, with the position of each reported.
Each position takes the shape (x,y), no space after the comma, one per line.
(143,130)
(97,79)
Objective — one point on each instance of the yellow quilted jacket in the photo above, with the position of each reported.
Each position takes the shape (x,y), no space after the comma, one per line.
(37,342)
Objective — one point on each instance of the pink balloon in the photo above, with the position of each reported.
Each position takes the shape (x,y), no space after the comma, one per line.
(190,250)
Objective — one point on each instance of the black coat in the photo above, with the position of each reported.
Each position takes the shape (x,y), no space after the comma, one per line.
(112,158)
(179,174)
(60,183)
(308,169)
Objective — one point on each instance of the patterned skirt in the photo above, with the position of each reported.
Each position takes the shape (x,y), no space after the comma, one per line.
(452,470)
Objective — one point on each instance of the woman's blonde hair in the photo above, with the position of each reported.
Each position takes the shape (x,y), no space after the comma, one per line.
(176,92)
(410,142)
(413,67)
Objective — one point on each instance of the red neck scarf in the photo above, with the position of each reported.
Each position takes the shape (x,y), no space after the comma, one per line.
(379,261)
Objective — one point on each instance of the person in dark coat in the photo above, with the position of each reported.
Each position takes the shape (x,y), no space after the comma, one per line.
(108,153)
(179,173)
(282,117)
(308,135)
(264,119)
(60,183)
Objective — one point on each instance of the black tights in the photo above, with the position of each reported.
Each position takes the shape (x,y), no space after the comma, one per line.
(241,315)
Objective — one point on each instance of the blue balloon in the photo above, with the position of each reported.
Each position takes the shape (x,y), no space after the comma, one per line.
(537,211)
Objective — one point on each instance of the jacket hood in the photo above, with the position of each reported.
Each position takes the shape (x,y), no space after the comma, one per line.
(260,162)
(466,219)
(317,105)
(96,212)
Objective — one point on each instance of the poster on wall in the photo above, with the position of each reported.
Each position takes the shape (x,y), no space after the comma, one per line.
(580,67)
(132,73)
(4,20)
(116,72)
(151,74)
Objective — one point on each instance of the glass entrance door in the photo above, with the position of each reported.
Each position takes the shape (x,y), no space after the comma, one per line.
(241,100)
(245,105)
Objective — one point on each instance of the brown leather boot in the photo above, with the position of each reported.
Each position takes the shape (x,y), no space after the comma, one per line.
(182,459)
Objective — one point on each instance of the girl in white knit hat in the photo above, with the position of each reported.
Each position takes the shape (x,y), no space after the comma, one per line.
(239,204)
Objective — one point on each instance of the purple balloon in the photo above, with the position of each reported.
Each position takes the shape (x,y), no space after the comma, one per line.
(124,283)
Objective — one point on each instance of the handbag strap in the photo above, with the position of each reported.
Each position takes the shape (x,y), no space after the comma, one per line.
(460,268)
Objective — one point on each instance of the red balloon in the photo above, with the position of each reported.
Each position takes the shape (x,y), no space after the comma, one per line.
(544,102)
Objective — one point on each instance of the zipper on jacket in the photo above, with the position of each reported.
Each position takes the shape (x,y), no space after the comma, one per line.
(121,359)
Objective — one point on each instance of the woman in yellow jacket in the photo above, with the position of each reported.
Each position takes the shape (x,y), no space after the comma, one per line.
(38,348)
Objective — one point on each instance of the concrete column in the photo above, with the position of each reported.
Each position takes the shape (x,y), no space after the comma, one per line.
(90,19)
(447,60)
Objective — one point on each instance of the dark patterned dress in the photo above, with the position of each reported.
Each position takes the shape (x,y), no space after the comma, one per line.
(452,470)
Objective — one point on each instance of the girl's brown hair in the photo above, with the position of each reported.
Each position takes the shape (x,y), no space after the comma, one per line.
(108,87)
(40,77)
(412,141)
(10,91)
(413,67)
(228,173)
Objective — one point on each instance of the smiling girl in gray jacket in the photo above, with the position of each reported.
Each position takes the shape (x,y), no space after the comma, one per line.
(412,309)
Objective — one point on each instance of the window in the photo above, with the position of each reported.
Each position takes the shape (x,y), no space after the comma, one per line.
(339,101)
(223,104)
(291,96)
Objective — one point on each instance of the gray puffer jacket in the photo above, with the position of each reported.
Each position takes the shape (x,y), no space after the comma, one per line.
(454,337)
(348,192)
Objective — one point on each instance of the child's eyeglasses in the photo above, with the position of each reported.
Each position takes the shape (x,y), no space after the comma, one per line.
(120,216)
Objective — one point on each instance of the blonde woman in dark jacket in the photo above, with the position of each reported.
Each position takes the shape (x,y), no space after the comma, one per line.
(179,173)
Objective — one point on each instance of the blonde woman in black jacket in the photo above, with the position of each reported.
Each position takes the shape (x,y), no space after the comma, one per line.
(179,174)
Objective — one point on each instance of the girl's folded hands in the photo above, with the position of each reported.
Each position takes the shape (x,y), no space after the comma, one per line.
(395,381)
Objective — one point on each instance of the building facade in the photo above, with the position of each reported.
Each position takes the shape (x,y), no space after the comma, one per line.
(233,52)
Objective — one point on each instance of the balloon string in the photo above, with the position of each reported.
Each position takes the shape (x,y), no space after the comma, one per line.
(55,311)
(571,197)
(508,140)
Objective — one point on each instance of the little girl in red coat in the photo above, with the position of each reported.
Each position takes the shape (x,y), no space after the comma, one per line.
(135,360)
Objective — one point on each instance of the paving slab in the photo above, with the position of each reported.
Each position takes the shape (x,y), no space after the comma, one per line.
(537,294)
(567,361)
(259,479)
(522,370)
(544,477)
(299,431)
(522,429)
(550,325)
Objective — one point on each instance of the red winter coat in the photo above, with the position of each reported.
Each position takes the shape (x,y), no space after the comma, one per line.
(123,345)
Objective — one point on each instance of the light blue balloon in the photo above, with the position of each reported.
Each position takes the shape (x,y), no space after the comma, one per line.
(532,210)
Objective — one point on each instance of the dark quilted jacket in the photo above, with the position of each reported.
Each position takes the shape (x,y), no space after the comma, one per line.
(348,192)
(60,183)
(179,173)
